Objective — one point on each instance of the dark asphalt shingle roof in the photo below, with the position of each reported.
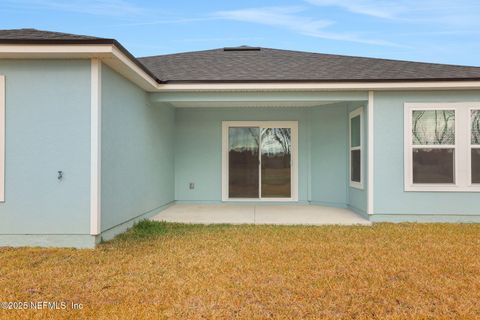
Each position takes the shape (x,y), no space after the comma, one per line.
(248,64)
(34,37)
(34,34)
(266,64)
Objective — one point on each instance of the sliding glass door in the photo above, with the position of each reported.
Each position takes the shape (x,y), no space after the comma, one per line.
(259,160)
(276,145)
(243,151)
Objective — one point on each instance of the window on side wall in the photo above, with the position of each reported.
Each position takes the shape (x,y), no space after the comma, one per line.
(475,146)
(2,138)
(442,147)
(356,146)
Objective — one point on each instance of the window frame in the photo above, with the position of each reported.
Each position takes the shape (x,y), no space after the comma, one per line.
(2,137)
(471,146)
(293,125)
(353,114)
(462,148)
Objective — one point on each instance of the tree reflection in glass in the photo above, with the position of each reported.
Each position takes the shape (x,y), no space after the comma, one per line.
(475,126)
(243,162)
(276,160)
(433,127)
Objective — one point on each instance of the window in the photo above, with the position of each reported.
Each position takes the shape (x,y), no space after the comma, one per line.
(475,145)
(437,152)
(433,138)
(2,138)
(356,133)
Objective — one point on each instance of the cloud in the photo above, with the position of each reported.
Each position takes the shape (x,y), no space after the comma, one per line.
(352,37)
(379,9)
(165,21)
(289,18)
(461,13)
(220,39)
(93,7)
(276,16)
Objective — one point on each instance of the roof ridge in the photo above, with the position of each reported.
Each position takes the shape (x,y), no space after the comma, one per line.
(50,32)
(265,49)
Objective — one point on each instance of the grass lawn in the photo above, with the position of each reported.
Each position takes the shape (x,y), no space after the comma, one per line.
(159,270)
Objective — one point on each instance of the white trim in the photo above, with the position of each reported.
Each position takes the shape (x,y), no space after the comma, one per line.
(128,65)
(461,148)
(260,166)
(371,154)
(471,146)
(108,53)
(324,86)
(51,50)
(95,145)
(356,185)
(293,125)
(434,146)
(2,138)
(224,161)
(355,113)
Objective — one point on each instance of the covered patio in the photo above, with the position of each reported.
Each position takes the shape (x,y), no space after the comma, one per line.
(269,157)
(259,214)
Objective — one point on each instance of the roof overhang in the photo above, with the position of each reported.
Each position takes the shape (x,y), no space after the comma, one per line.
(118,58)
(323,86)
(256,98)
(111,54)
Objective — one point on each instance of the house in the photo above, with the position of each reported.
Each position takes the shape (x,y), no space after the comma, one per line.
(93,139)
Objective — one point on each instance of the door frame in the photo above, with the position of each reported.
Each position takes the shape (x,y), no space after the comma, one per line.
(293,125)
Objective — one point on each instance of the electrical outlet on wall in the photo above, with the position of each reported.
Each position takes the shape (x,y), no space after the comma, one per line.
(191,185)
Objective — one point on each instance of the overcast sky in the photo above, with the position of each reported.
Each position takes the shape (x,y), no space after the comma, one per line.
(432,30)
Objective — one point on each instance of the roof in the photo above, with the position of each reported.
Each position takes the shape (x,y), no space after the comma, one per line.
(34,37)
(253,64)
(40,35)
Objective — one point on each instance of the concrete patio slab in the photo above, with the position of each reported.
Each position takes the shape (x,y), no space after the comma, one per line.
(207,214)
(259,214)
(306,214)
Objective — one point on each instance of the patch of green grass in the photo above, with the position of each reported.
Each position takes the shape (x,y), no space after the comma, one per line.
(147,229)
(144,229)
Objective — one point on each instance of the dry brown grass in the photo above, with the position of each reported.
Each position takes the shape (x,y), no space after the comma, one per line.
(176,271)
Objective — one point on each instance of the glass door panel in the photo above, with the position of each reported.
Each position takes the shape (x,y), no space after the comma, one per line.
(276,162)
(243,166)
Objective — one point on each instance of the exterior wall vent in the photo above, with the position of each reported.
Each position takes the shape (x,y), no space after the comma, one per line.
(242,48)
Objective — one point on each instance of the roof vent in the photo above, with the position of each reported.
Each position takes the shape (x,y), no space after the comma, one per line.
(242,48)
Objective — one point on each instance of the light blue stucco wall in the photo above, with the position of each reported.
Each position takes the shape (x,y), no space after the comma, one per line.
(137,152)
(358,198)
(198,147)
(47,130)
(328,164)
(322,150)
(390,197)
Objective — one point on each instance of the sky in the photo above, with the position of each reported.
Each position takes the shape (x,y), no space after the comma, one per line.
(441,31)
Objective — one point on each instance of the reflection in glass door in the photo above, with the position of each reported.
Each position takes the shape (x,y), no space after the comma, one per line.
(276,162)
(259,160)
(243,145)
